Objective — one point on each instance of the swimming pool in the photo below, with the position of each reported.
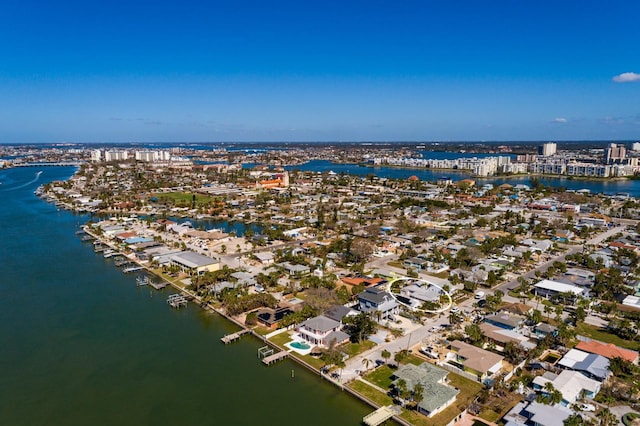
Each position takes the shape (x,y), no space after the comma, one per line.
(299,345)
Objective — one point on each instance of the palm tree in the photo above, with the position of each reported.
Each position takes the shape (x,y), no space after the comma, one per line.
(366,362)
(418,394)
(385,355)
(607,418)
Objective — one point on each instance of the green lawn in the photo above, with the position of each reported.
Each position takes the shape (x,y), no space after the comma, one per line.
(381,376)
(413,359)
(600,334)
(353,349)
(281,339)
(372,393)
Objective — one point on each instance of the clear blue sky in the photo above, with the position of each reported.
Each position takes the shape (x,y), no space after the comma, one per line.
(116,71)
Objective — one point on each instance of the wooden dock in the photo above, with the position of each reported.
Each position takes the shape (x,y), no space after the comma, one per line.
(380,416)
(158,286)
(234,336)
(268,360)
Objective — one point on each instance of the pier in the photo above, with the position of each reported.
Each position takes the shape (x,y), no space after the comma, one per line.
(132,269)
(381,415)
(177,301)
(157,286)
(268,360)
(234,336)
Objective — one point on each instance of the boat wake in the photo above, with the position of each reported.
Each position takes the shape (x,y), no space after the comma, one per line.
(34,180)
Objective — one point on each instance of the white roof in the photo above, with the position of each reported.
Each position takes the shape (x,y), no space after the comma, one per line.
(570,384)
(633,301)
(572,357)
(559,287)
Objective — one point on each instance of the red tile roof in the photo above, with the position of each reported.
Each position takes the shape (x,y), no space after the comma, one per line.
(608,350)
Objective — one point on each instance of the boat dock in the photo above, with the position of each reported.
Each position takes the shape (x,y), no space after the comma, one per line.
(381,415)
(268,360)
(110,253)
(234,336)
(132,269)
(158,286)
(142,281)
(177,301)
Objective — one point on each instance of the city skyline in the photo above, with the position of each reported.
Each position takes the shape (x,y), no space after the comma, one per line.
(285,71)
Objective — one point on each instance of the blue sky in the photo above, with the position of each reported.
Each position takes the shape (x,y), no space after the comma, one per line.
(212,71)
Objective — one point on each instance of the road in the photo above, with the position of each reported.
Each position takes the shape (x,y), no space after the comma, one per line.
(542,268)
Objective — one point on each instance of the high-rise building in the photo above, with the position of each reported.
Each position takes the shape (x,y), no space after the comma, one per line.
(615,154)
(547,149)
(636,146)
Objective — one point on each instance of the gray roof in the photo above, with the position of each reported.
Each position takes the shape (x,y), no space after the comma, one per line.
(435,394)
(337,337)
(547,415)
(337,312)
(374,295)
(320,323)
(192,260)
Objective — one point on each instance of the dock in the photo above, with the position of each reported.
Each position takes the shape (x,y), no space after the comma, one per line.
(234,336)
(158,286)
(268,360)
(380,416)
(177,301)
(132,269)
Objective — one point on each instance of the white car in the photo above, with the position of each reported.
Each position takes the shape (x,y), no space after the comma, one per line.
(587,407)
(428,351)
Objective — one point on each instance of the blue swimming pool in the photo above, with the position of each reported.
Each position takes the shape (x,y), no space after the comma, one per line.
(299,345)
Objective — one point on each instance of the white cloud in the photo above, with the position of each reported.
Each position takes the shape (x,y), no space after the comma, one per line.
(559,120)
(627,77)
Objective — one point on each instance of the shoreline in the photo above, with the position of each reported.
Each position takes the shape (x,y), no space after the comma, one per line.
(207,306)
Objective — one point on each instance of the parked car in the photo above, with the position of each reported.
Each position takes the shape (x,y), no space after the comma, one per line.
(587,407)
(428,351)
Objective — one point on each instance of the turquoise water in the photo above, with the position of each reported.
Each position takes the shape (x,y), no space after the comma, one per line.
(299,345)
(81,344)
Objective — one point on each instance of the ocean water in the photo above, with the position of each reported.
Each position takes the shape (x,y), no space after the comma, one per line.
(80,344)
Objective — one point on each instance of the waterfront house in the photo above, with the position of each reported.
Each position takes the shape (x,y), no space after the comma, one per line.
(436,395)
(378,302)
(322,331)
(192,262)
(473,360)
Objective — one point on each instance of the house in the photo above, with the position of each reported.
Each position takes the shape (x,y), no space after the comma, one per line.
(295,270)
(270,317)
(193,262)
(505,320)
(476,361)
(500,337)
(374,300)
(418,294)
(265,257)
(608,350)
(542,330)
(571,384)
(338,312)
(536,414)
(436,395)
(517,308)
(416,263)
(548,288)
(591,365)
(322,331)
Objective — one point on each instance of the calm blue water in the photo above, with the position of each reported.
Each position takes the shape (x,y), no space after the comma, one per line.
(610,187)
(80,344)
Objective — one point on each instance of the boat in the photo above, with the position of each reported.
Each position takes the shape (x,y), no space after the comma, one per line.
(141,281)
